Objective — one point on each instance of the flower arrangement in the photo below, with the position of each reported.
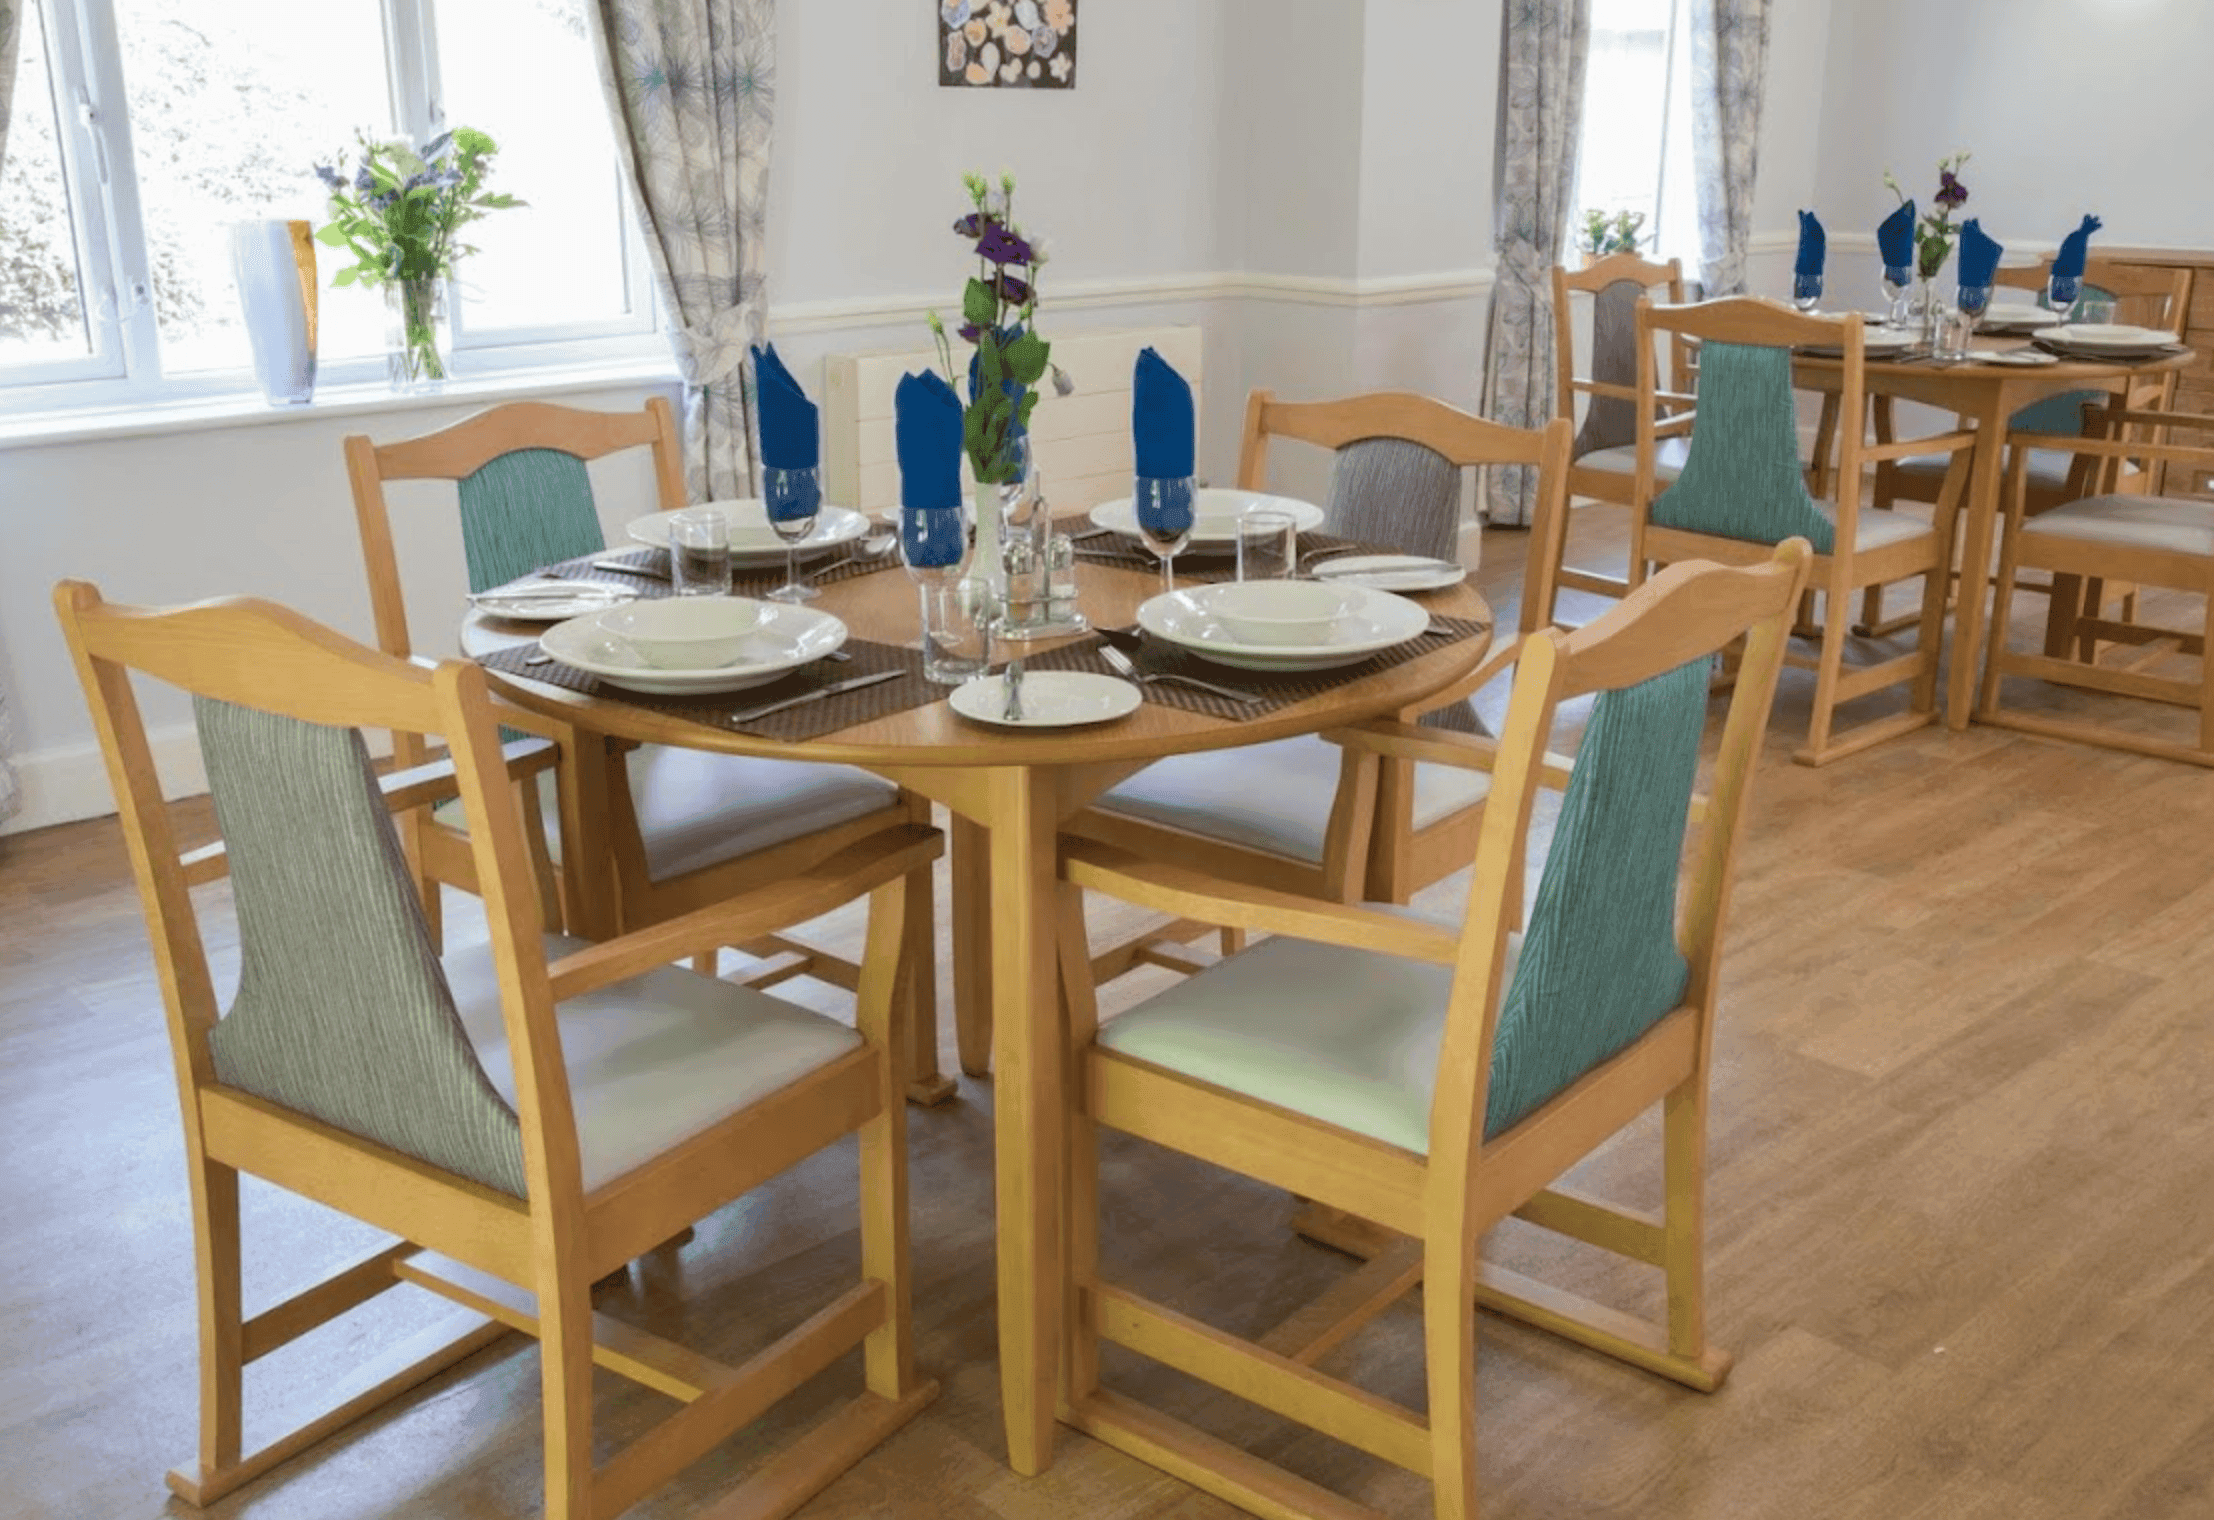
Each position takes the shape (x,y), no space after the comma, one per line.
(1619,233)
(999,310)
(400,214)
(1934,233)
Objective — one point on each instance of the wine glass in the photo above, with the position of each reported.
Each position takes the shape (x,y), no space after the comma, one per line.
(1898,284)
(1166,512)
(1969,301)
(1806,291)
(793,499)
(2062,291)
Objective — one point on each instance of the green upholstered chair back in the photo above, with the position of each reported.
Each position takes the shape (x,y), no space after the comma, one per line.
(1742,478)
(1600,963)
(2061,415)
(1610,421)
(343,1011)
(524,509)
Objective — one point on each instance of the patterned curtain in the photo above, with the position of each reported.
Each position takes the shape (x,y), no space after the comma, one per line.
(11,31)
(1542,47)
(1729,70)
(692,86)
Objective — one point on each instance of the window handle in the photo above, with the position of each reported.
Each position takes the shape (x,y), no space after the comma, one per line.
(89,117)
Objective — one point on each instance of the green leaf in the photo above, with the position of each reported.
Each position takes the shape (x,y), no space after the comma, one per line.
(1026,358)
(979,305)
(334,235)
(346,276)
(989,368)
(1029,405)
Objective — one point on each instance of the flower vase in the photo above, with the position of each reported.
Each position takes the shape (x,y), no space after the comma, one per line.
(1929,309)
(986,571)
(416,334)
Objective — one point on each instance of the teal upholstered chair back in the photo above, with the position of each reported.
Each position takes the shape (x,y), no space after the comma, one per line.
(343,1011)
(1742,477)
(526,508)
(1610,421)
(1600,963)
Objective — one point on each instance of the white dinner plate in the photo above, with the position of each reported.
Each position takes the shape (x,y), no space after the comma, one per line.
(752,540)
(550,601)
(2027,357)
(1050,699)
(1875,343)
(1375,621)
(1391,572)
(2014,316)
(786,638)
(1215,516)
(2108,338)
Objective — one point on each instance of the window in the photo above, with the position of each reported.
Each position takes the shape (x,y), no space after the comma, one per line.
(1635,154)
(143,128)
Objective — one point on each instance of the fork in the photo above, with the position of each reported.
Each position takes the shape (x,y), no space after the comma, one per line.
(1125,667)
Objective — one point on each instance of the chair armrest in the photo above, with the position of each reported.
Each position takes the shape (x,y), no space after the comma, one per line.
(1935,443)
(2131,449)
(853,871)
(2158,418)
(1476,680)
(424,785)
(1185,893)
(1669,427)
(1470,752)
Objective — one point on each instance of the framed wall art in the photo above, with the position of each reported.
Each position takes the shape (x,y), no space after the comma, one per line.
(1007,44)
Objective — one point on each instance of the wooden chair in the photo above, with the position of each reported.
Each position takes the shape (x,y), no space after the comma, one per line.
(1743,490)
(1301,815)
(2128,537)
(1436,1078)
(688,827)
(536,1111)
(1604,466)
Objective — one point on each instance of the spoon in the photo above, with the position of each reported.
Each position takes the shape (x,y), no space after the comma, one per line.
(875,546)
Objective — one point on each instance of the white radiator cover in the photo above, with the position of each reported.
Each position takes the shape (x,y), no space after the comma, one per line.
(1081,440)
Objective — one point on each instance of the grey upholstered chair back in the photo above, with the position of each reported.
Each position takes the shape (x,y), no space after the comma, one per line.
(343,1011)
(1405,496)
(1610,422)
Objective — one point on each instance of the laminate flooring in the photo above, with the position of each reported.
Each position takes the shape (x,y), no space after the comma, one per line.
(1962,1208)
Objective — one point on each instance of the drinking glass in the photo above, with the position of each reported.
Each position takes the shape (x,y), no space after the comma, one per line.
(1806,291)
(1166,505)
(959,622)
(699,552)
(1898,284)
(1268,545)
(2062,291)
(794,498)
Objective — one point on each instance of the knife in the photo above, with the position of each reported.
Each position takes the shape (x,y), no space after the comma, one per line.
(646,572)
(853,683)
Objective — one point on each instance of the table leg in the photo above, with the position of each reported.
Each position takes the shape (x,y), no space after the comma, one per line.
(1027,1112)
(970,869)
(587,857)
(1981,509)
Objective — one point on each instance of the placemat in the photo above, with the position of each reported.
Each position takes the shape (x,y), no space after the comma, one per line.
(811,720)
(1109,548)
(745,580)
(1275,689)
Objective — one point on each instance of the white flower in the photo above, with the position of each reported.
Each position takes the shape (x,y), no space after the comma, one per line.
(1040,250)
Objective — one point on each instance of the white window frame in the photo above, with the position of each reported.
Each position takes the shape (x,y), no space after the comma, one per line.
(115,290)
(1673,42)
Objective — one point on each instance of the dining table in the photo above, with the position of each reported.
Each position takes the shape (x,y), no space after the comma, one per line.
(1007,790)
(1985,389)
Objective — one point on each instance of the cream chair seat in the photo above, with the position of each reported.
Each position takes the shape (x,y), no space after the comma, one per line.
(2180,526)
(1668,459)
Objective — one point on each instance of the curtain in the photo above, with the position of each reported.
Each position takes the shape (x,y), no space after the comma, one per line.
(692,87)
(1729,69)
(11,31)
(1542,49)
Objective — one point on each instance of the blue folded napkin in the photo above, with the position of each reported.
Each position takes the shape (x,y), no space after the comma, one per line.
(2074,249)
(926,431)
(1979,255)
(1812,246)
(1895,238)
(1163,432)
(790,436)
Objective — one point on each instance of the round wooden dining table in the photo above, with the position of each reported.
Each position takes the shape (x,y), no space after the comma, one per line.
(1987,392)
(1007,792)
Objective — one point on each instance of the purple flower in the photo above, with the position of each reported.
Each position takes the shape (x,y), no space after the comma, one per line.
(331,178)
(364,182)
(1950,191)
(970,332)
(972,225)
(1012,290)
(1002,247)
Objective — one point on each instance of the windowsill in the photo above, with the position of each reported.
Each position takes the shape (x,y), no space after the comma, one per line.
(139,420)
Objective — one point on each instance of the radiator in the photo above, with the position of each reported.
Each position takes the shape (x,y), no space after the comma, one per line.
(1081,441)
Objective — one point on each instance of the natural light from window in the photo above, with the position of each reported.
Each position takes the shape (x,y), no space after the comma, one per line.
(1636,150)
(42,315)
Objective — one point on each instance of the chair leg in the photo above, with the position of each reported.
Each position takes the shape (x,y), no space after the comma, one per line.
(222,1353)
(885,1016)
(1080,1210)
(925,1082)
(2094,606)
(1684,1218)
(2063,611)
(2206,679)
(972,946)
(1830,664)
(1449,1350)
(565,1379)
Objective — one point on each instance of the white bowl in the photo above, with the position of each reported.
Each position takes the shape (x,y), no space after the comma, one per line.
(1278,612)
(685,632)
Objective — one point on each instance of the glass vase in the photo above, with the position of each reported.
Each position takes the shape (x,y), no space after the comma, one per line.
(417,336)
(1930,310)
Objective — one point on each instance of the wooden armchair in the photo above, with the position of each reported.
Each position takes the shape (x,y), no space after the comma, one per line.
(527,1115)
(1742,490)
(1435,1078)
(2128,537)
(1603,463)
(686,827)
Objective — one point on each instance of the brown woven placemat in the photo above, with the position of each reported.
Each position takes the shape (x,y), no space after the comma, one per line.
(745,580)
(1274,688)
(810,720)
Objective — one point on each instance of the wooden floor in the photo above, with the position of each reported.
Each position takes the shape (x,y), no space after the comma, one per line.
(1962,1210)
